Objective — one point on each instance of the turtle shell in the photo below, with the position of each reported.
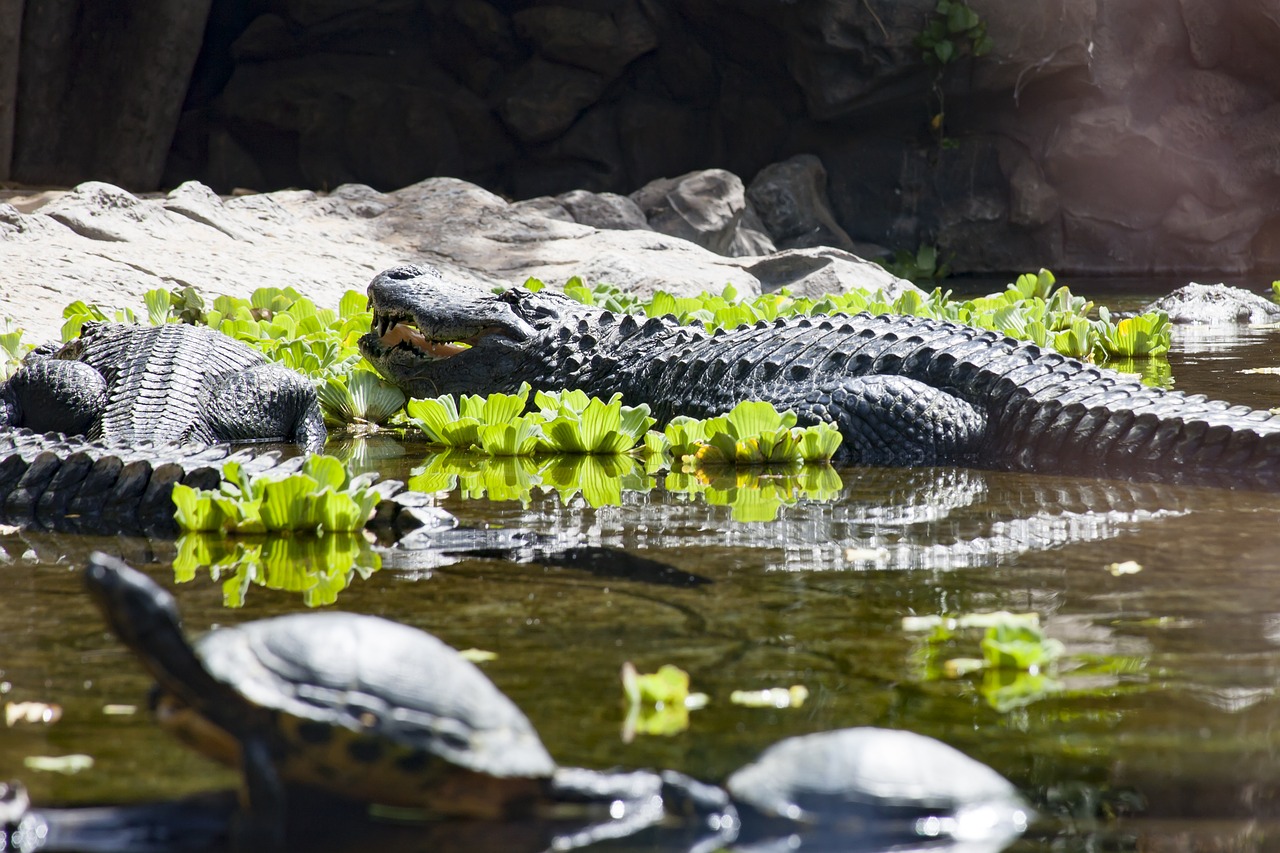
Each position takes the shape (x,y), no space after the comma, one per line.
(365,707)
(827,776)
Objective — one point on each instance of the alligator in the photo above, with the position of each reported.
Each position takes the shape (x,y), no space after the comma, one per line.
(902,390)
(173,383)
(1215,305)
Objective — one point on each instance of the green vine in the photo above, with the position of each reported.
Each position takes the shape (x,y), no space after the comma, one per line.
(954,30)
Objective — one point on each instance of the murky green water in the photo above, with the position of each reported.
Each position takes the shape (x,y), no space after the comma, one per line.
(1159,731)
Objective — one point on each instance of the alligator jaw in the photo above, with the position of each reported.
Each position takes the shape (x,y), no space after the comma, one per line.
(415,310)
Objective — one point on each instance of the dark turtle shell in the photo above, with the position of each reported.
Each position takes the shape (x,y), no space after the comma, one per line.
(398,695)
(820,778)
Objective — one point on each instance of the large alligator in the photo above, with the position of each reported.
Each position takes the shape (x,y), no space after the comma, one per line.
(94,434)
(173,383)
(902,390)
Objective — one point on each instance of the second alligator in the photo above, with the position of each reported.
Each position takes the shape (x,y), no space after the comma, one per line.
(902,390)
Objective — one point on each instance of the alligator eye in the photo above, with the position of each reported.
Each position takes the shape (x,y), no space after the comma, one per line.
(404,273)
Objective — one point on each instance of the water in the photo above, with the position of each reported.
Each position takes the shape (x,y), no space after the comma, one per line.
(1158,731)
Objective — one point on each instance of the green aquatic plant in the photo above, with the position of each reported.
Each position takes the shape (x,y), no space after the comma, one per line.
(755,433)
(599,479)
(359,397)
(771,697)
(658,703)
(319,497)
(1143,336)
(566,422)
(12,350)
(318,567)
(923,266)
(1033,307)
(475,476)
(572,422)
(456,422)
(1018,663)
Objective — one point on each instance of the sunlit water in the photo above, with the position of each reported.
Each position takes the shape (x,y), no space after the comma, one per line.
(1160,729)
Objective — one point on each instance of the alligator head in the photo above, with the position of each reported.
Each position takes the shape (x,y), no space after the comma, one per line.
(431,336)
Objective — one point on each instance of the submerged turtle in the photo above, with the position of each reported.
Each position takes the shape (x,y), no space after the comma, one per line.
(357,706)
(875,782)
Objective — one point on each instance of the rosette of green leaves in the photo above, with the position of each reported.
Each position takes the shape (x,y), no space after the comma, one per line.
(1143,336)
(684,435)
(359,397)
(658,703)
(12,350)
(456,422)
(755,433)
(319,497)
(576,423)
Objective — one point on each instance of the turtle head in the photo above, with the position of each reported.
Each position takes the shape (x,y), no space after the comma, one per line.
(142,614)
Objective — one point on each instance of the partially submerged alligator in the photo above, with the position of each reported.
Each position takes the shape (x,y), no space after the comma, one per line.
(902,390)
(173,383)
(1215,305)
(94,435)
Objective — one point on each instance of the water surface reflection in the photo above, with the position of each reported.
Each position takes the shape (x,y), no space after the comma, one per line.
(1160,731)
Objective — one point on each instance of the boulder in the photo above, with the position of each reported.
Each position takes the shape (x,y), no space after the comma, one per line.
(819,270)
(791,199)
(101,244)
(99,91)
(599,210)
(604,39)
(480,236)
(705,207)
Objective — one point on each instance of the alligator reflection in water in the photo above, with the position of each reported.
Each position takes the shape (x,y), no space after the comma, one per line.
(921,518)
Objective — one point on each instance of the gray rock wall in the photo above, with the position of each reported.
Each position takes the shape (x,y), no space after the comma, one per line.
(1096,135)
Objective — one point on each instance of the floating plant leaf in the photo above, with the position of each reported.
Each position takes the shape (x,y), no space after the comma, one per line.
(771,697)
(359,397)
(518,437)
(196,511)
(1017,646)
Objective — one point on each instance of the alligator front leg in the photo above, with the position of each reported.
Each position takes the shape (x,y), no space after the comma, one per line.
(264,402)
(893,420)
(53,395)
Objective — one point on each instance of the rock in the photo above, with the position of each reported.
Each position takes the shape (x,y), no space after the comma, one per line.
(541,99)
(819,270)
(751,239)
(478,236)
(603,40)
(1107,164)
(599,210)
(10,38)
(791,198)
(1044,39)
(704,207)
(1215,305)
(99,92)
(101,244)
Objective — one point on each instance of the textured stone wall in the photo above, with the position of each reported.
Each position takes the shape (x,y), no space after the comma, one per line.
(1097,135)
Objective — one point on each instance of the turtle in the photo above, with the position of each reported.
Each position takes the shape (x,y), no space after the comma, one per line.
(354,706)
(875,782)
